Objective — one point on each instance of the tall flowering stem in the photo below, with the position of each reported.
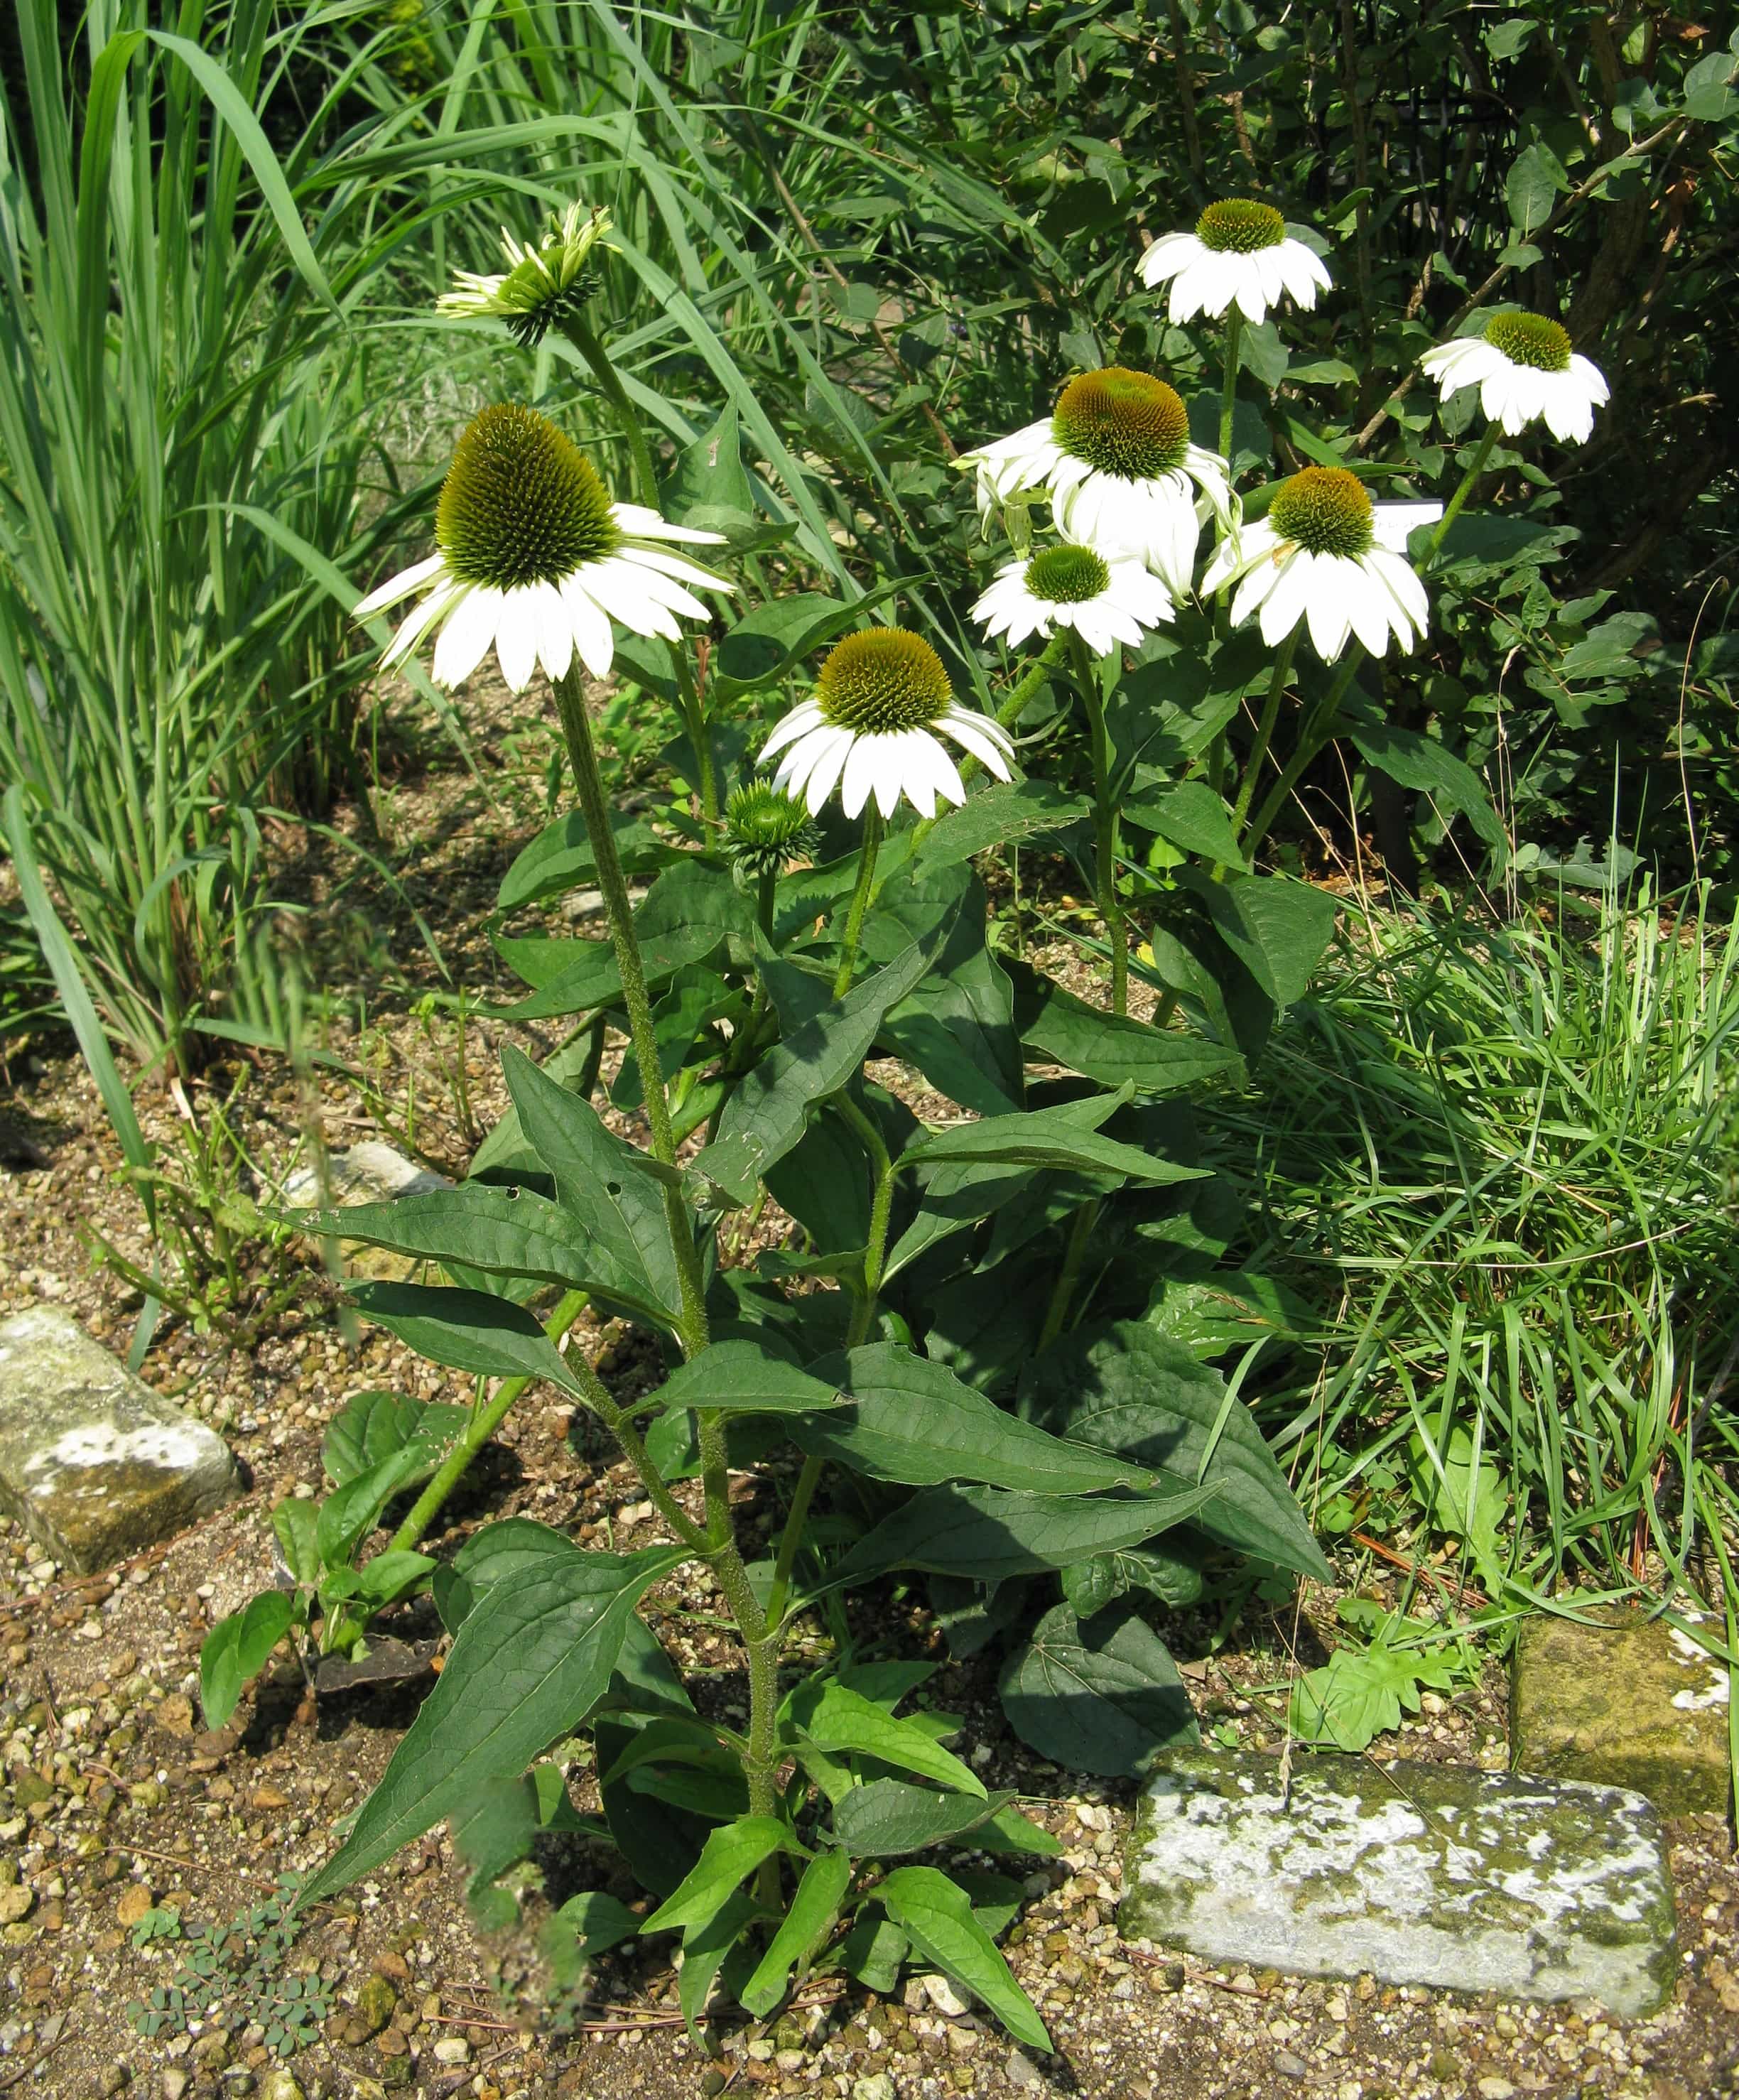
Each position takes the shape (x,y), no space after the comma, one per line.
(1319,728)
(1105,824)
(860,897)
(1475,468)
(1234,328)
(586,340)
(1264,735)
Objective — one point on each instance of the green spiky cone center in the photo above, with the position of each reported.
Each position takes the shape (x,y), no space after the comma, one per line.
(520,504)
(1066,576)
(1324,510)
(764,827)
(1530,339)
(1240,225)
(1122,423)
(882,681)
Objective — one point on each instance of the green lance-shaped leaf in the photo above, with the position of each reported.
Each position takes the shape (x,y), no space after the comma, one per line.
(706,1947)
(1276,928)
(506,1551)
(371,1427)
(504,1232)
(350,1513)
(1044,1137)
(989,1534)
(468,1331)
(915,1422)
(833,1717)
(937,1916)
(584,1928)
(1127,1388)
(1114,1048)
(236,1650)
(1426,767)
(527,1663)
(601,1183)
(814,1910)
(889,1817)
(766,1115)
(561,857)
(1005,813)
(1098,1697)
(1190,815)
(744,1378)
(729,1856)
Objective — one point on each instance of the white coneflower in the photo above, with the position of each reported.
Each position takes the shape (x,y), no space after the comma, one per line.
(880,698)
(542,287)
(1115,460)
(1107,599)
(1524,367)
(1240,253)
(534,561)
(1326,554)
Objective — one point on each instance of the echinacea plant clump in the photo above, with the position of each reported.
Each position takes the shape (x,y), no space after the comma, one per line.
(978,1362)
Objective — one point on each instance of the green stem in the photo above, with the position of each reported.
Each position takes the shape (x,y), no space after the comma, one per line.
(1105,826)
(613,885)
(699,732)
(860,897)
(1234,327)
(1264,735)
(1319,728)
(1075,1254)
(1482,453)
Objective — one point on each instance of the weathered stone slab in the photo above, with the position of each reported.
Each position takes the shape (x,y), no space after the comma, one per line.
(94,1463)
(1638,1704)
(1416,1873)
(368,1173)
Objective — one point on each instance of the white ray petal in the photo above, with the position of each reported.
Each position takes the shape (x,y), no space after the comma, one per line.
(802,718)
(466,638)
(516,638)
(862,765)
(645,524)
(1285,600)
(398,586)
(419,620)
(674,565)
(1326,606)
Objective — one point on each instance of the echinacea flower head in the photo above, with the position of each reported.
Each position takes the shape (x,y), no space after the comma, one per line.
(542,286)
(1116,460)
(1107,599)
(882,703)
(534,560)
(1239,255)
(766,829)
(1524,368)
(1327,554)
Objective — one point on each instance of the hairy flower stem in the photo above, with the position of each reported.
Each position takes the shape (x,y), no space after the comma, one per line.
(1264,735)
(1476,467)
(1234,328)
(1319,728)
(1105,825)
(860,897)
(1075,1254)
(590,346)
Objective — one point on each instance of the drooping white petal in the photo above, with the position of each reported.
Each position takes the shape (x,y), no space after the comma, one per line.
(590,625)
(944,774)
(1325,605)
(982,738)
(401,586)
(554,630)
(420,619)
(905,770)
(862,765)
(1369,609)
(1392,522)
(830,747)
(1403,584)
(466,638)
(1166,256)
(674,565)
(1284,600)
(516,637)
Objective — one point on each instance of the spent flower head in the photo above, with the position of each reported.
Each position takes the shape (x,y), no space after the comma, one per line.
(1525,369)
(1240,254)
(766,830)
(1116,460)
(534,559)
(542,286)
(1327,554)
(871,725)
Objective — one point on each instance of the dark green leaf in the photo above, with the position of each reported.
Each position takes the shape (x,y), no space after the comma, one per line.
(938,1918)
(1044,1137)
(512,1548)
(1115,1049)
(1126,1388)
(1190,815)
(989,1534)
(743,1378)
(236,1648)
(873,1952)
(560,859)
(350,1513)
(957,1026)
(1276,927)
(372,1426)
(660,1843)
(705,1949)
(503,1232)
(530,1660)
(766,1115)
(833,1717)
(889,1817)
(914,1421)
(1101,1697)
(585,1927)
(468,1331)
(295,1525)
(1420,763)
(1004,813)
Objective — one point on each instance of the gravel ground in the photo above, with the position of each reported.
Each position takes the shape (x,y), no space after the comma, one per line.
(117,1810)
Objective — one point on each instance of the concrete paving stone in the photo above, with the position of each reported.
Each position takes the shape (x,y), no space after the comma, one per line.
(93,1463)
(1640,1704)
(1415,1873)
